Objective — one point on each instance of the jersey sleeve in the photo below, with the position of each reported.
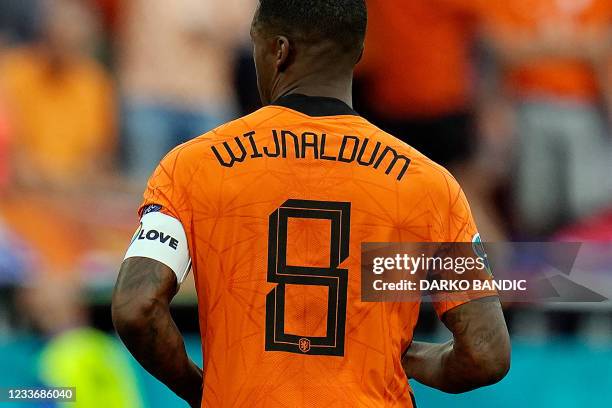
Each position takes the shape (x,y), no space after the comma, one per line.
(164,189)
(165,219)
(462,241)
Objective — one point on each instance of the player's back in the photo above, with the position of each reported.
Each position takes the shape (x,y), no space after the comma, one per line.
(275,206)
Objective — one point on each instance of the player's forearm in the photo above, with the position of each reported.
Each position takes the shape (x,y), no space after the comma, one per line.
(141,315)
(443,367)
(158,346)
(478,355)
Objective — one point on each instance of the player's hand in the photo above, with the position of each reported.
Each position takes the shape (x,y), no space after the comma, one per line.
(195,400)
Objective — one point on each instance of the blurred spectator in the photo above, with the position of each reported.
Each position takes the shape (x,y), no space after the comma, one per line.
(176,67)
(107,12)
(417,75)
(19,20)
(5,132)
(109,9)
(76,355)
(552,57)
(61,101)
(17,259)
(417,69)
(245,81)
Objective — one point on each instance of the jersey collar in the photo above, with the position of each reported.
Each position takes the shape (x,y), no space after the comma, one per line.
(314,105)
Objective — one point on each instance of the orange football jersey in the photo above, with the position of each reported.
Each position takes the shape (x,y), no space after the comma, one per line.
(275,206)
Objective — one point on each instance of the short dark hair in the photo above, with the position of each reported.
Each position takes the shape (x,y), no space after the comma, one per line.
(342,22)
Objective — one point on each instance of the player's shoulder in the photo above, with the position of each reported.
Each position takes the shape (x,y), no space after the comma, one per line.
(440,184)
(423,173)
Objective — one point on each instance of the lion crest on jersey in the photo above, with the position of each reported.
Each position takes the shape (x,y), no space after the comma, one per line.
(304,345)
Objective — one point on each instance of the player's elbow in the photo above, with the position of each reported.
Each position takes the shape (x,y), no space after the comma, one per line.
(479,371)
(490,362)
(133,316)
(494,368)
(479,363)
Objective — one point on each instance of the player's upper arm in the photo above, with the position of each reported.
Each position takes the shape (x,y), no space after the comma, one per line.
(157,259)
(459,238)
(161,238)
(474,317)
(143,285)
(166,217)
(480,337)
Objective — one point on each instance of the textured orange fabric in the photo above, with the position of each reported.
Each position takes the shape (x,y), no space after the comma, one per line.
(566,77)
(229,216)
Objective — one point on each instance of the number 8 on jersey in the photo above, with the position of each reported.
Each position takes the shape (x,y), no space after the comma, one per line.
(334,278)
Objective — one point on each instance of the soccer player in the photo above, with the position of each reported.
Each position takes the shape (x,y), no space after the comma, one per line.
(269,212)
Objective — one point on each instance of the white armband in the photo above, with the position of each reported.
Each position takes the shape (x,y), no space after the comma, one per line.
(162,238)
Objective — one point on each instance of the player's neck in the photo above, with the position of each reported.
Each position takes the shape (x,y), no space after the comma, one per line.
(341,90)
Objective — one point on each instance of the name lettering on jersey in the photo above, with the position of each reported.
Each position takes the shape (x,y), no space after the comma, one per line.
(154,235)
(286,144)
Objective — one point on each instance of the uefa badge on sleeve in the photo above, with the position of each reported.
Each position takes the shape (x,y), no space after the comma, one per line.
(479,251)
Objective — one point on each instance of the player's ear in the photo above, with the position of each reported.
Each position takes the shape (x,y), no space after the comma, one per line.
(283,49)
